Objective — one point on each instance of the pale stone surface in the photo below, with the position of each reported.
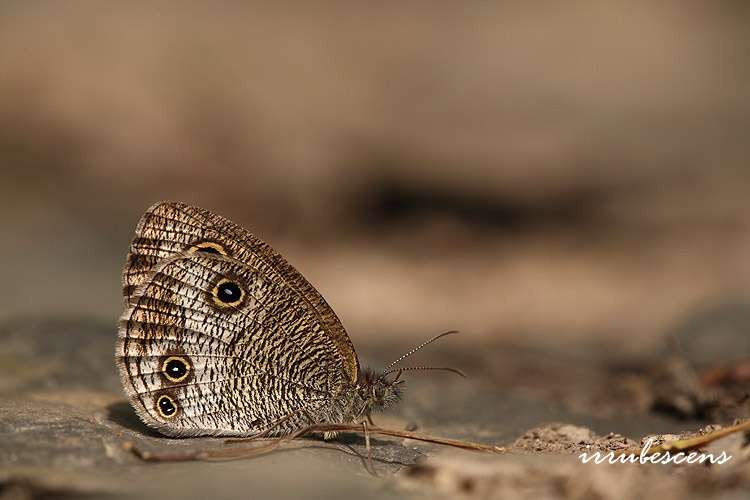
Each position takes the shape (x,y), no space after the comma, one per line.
(64,420)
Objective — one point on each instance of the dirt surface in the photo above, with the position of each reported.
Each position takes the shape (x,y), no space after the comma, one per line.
(65,429)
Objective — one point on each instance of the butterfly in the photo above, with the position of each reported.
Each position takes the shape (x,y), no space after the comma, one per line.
(221,336)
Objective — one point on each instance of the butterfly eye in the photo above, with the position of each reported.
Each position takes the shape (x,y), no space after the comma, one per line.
(228,293)
(166,406)
(208,247)
(175,368)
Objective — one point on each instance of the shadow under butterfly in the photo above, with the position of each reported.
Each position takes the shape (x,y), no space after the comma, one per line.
(221,336)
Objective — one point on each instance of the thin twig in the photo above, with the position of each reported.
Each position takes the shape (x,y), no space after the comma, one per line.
(233,452)
(689,444)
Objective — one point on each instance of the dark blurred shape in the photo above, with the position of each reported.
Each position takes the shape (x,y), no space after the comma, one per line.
(390,204)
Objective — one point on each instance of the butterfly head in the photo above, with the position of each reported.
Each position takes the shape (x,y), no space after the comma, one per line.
(378,391)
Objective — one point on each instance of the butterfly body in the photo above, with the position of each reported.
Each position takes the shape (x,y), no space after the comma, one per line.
(222,336)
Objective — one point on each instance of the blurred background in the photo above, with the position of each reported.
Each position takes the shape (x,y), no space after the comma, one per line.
(546,174)
(564,182)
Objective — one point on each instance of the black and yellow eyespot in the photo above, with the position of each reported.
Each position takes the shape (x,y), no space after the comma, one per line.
(166,406)
(208,247)
(227,293)
(175,368)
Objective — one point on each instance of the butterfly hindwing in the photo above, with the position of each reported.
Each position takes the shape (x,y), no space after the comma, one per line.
(212,345)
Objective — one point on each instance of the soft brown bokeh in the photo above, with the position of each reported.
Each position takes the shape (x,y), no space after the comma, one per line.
(565,182)
(547,171)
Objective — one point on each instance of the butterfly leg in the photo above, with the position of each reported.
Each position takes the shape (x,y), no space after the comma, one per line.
(328,435)
(368,448)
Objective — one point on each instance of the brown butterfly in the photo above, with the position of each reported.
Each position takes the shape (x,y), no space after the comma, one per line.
(222,336)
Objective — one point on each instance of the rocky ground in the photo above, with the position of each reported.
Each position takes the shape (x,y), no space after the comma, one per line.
(65,428)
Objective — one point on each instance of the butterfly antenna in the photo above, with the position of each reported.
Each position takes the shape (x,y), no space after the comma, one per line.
(423,344)
(424,368)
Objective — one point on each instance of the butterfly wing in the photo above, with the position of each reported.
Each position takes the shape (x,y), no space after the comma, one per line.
(212,345)
(170,228)
(195,361)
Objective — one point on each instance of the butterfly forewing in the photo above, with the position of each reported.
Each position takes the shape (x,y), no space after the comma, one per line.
(169,228)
